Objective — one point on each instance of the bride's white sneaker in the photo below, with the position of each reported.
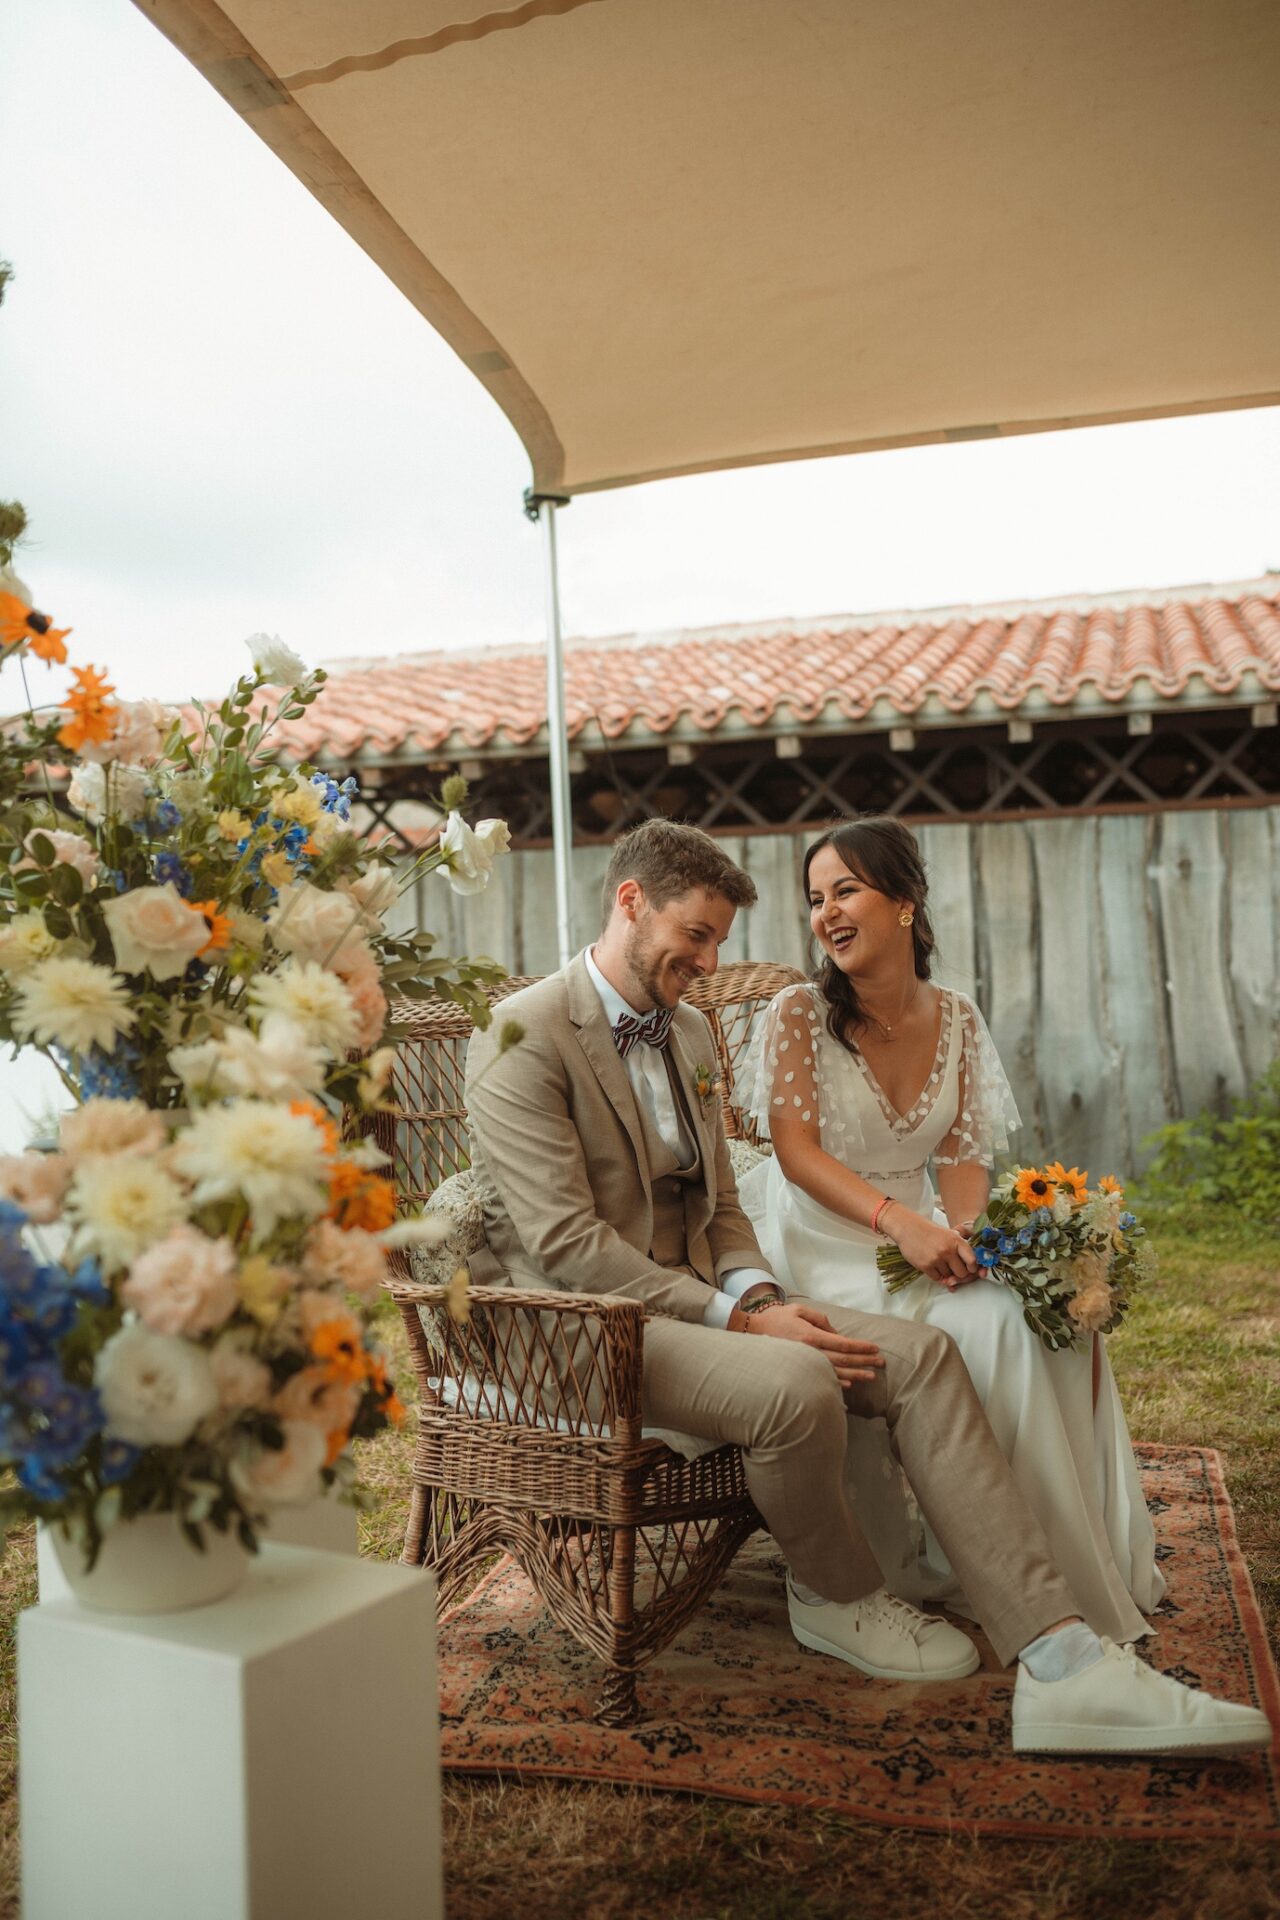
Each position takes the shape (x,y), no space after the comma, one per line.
(1121,1705)
(884,1637)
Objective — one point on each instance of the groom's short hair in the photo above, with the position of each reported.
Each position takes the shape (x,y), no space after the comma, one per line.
(670,859)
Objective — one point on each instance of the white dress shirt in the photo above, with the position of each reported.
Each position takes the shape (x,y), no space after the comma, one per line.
(648,1077)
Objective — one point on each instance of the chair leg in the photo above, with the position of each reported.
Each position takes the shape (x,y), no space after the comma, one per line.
(618,1705)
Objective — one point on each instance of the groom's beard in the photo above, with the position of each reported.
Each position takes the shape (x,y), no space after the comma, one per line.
(653,979)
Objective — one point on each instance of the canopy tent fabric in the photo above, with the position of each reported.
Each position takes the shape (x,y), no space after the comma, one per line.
(678,235)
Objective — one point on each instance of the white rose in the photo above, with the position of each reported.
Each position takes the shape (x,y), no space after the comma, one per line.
(88,791)
(284,1476)
(154,930)
(374,893)
(495,835)
(274,663)
(464,858)
(318,926)
(156,1388)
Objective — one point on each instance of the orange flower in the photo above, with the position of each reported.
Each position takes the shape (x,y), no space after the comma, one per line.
(92,715)
(358,1198)
(1076,1183)
(318,1117)
(19,622)
(219,925)
(1109,1184)
(389,1401)
(1034,1189)
(337,1345)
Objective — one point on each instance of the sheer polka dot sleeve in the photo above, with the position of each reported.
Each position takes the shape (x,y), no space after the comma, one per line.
(986,1113)
(788,1067)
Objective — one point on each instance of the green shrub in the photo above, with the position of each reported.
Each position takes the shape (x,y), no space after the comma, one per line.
(1221,1167)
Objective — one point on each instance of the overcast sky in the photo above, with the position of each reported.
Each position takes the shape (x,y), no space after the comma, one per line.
(222,419)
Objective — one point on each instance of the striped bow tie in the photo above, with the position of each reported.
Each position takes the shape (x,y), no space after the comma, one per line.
(653,1028)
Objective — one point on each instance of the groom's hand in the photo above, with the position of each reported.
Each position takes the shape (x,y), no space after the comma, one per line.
(853,1360)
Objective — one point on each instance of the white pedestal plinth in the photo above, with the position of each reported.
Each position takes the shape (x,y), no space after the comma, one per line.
(328,1525)
(273,1755)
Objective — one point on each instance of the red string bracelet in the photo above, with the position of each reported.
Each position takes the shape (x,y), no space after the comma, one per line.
(875,1218)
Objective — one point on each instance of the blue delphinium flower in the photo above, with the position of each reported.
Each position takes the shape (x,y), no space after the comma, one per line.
(118,1461)
(169,867)
(1007,1243)
(37,1478)
(109,1076)
(166,815)
(1128,1220)
(15,1349)
(1025,1236)
(987,1256)
(334,798)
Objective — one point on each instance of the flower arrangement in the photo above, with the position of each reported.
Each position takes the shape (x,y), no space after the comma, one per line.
(1072,1253)
(195,935)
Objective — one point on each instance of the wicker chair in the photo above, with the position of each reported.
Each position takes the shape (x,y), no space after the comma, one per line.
(520,1452)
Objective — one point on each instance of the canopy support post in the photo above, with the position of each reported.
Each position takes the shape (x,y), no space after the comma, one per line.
(542,507)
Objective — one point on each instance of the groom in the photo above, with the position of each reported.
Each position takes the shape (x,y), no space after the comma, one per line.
(603,1170)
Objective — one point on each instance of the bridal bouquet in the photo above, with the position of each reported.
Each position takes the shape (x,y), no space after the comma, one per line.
(195,936)
(1072,1253)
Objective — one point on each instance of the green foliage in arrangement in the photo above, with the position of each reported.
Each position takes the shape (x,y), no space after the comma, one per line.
(1221,1166)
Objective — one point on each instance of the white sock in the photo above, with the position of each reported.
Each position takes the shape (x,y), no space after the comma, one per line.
(1062,1655)
(806,1595)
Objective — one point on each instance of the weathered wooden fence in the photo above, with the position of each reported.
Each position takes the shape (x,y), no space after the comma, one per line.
(1126,963)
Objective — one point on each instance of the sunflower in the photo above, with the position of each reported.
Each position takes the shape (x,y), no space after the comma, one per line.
(19,622)
(1034,1189)
(1109,1184)
(1071,1180)
(92,715)
(218,923)
(337,1345)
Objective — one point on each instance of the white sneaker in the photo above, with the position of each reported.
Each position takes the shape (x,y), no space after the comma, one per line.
(1121,1705)
(884,1637)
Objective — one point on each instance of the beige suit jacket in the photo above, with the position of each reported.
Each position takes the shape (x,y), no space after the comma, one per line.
(559,1153)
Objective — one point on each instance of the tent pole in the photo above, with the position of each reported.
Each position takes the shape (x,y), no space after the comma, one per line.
(542,507)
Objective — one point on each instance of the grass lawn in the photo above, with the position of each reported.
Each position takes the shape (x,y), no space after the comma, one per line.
(1199,1363)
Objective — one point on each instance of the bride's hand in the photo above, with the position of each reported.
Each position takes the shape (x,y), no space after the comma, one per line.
(941,1252)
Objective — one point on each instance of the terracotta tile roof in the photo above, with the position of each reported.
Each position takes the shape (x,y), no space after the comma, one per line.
(1190,647)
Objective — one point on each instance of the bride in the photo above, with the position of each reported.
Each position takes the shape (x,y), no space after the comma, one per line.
(864,1079)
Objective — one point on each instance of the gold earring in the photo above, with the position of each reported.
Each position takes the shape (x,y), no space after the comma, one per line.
(906,918)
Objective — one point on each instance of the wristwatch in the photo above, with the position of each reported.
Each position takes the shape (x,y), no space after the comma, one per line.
(765,1293)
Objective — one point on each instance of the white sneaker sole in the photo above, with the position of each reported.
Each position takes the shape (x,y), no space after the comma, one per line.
(960,1671)
(1067,1738)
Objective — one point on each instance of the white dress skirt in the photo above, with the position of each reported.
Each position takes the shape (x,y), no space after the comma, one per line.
(1071,1456)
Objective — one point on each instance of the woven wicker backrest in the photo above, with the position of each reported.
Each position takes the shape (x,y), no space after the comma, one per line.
(426,1134)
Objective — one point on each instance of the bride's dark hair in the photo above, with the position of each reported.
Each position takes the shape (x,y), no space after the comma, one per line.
(882,853)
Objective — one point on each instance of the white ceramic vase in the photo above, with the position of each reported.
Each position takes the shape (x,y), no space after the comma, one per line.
(147,1565)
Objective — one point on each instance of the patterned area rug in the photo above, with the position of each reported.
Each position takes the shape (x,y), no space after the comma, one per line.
(736,1708)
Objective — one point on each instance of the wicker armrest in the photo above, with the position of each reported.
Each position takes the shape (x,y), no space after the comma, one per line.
(568,1363)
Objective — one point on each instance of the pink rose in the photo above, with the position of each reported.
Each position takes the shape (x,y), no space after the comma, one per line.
(70,849)
(242,1380)
(154,930)
(283,1476)
(353,1258)
(36,1182)
(313,1398)
(185,1283)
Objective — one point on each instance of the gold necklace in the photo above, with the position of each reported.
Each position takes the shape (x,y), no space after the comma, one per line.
(887,1026)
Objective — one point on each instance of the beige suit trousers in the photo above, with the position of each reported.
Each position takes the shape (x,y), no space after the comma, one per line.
(781,1402)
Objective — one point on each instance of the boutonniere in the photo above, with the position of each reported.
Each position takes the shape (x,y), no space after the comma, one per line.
(707,1087)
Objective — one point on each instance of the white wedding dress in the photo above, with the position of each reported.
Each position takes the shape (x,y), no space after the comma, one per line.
(1072,1459)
